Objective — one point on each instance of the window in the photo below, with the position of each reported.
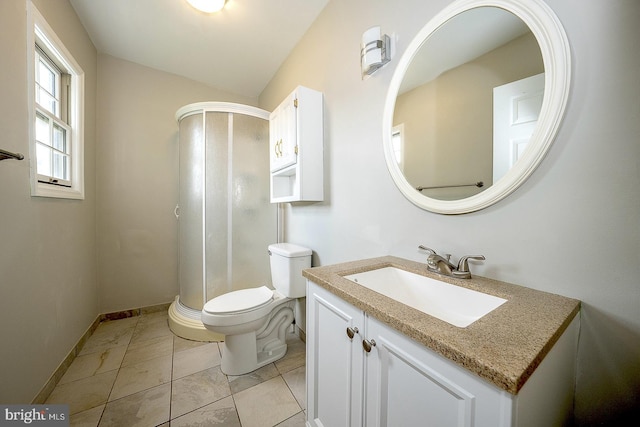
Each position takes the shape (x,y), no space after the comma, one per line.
(53,134)
(56,93)
(397,142)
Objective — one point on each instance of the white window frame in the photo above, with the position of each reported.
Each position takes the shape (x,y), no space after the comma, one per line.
(397,135)
(39,31)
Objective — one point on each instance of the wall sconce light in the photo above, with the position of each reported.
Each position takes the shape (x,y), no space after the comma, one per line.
(208,6)
(375,51)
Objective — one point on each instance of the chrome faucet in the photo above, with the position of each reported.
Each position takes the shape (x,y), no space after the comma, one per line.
(443,265)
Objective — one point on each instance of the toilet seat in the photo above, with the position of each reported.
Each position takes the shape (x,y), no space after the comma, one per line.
(245,306)
(238,302)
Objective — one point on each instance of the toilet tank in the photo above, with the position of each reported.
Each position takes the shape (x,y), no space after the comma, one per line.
(287,262)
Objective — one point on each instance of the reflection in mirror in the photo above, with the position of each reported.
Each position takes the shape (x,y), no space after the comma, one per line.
(438,151)
(468,103)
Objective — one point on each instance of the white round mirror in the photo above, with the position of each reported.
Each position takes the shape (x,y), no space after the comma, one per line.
(475,103)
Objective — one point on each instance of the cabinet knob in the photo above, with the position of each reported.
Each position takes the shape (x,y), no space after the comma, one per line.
(368,345)
(351,332)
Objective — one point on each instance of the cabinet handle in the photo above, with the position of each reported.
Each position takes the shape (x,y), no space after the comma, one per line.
(280,148)
(351,332)
(275,148)
(368,345)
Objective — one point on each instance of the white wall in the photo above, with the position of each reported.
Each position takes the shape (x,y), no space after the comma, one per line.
(572,229)
(48,286)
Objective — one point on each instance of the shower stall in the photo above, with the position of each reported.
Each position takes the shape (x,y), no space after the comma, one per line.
(225,218)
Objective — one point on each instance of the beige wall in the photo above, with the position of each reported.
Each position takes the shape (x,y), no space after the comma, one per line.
(571,229)
(137,180)
(48,285)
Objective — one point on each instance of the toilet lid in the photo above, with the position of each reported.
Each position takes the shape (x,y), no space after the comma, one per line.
(239,301)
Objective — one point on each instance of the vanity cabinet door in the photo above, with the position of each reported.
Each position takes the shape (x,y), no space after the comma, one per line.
(408,385)
(334,360)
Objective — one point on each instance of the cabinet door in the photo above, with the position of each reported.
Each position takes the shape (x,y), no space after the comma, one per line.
(409,385)
(283,134)
(334,361)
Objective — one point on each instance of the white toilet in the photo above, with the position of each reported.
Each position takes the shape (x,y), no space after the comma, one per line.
(254,321)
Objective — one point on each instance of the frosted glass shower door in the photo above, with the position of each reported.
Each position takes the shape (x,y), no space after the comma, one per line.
(241,221)
(190,224)
(254,225)
(217,233)
(226,219)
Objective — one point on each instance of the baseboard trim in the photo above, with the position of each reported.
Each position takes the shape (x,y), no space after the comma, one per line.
(46,390)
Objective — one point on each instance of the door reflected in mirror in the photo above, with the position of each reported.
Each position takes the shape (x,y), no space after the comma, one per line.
(460,119)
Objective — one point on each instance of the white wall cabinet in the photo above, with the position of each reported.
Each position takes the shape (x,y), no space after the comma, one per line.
(296,147)
(402,383)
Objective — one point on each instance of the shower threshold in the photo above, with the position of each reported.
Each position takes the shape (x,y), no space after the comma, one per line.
(185,322)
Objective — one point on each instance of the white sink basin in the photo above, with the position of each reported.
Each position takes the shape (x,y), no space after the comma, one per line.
(453,304)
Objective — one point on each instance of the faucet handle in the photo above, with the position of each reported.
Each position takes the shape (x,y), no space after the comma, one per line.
(424,248)
(463,265)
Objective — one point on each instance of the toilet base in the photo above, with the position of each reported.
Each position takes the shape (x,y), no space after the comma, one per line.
(244,353)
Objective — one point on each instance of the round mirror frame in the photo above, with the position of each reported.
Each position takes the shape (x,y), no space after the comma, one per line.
(556,57)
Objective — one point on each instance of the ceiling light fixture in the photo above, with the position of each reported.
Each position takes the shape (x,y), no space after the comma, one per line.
(208,6)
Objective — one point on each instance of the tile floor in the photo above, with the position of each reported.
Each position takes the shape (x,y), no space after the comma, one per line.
(135,372)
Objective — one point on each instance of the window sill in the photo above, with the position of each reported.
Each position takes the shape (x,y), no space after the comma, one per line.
(55,191)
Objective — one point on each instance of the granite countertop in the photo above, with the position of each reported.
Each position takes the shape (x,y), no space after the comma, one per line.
(504,347)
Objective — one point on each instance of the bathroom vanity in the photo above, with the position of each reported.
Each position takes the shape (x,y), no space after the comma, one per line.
(374,361)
